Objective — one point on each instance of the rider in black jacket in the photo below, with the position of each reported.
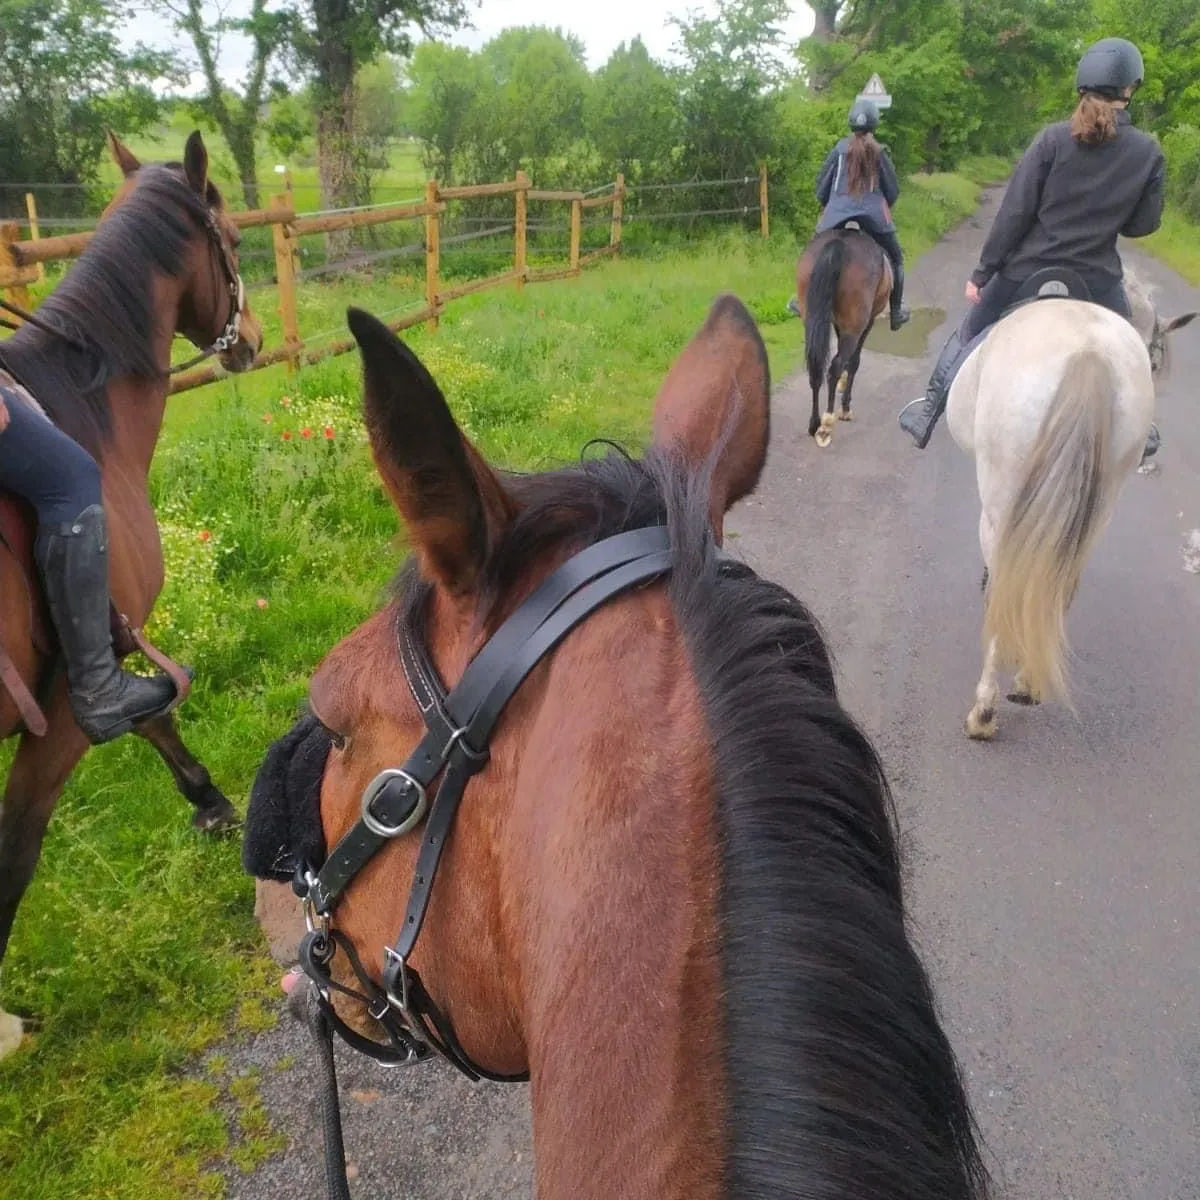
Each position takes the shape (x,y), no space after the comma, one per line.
(1081,184)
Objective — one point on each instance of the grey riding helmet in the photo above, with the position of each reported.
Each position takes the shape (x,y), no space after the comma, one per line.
(864,116)
(1110,66)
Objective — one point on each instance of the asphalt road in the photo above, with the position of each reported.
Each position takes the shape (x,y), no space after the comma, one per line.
(1054,873)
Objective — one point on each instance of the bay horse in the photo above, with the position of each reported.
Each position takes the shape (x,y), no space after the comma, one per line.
(1055,403)
(668,883)
(843,282)
(163,260)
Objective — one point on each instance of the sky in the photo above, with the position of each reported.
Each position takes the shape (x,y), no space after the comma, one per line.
(600,24)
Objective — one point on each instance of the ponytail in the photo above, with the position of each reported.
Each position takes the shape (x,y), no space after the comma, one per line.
(862,164)
(1095,120)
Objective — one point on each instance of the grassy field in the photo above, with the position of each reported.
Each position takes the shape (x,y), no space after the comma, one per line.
(136,944)
(1177,243)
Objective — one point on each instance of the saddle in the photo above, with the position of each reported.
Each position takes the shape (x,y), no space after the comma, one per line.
(1050,283)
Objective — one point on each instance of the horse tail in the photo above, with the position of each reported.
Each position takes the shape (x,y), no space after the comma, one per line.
(1042,544)
(820,298)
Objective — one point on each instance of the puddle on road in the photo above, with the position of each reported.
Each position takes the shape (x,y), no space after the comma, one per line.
(911,340)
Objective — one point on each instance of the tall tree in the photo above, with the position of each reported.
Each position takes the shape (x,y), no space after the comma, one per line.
(65,80)
(444,88)
(235,112)
(332,40)
(632,112)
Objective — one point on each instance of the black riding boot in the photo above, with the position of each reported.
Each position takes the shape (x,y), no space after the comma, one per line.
(900,311)
(106,700)
(918,418)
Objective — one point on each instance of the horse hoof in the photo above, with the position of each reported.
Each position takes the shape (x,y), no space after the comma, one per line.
(12,1031)
(1023,697)
(981,724)
(845,415)
(823,437)
(215,818)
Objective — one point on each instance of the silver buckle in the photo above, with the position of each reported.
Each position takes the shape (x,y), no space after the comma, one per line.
(400,1003)
(371,792)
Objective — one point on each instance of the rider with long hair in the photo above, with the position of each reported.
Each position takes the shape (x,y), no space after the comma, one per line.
(1080,185)
(61,480)
(858,183)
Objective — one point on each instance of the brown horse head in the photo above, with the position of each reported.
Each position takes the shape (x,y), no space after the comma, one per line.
(212,293)
(672,895)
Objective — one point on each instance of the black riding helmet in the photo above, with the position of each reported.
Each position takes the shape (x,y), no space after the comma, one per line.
(864,116)
(1110,66)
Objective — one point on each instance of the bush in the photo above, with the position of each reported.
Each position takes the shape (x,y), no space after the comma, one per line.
(1182,149)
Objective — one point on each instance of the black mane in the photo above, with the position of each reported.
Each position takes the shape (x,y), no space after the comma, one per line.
(104,307)
(841,1081)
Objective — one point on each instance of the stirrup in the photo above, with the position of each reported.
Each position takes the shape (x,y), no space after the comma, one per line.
(912,404)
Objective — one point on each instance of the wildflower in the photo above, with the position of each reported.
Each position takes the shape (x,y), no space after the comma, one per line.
(261,602)
(328,431)
(285,402)
(205,535)
(267,418)
(286,435)
(306,433)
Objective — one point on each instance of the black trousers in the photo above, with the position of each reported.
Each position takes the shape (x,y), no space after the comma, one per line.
(44,466)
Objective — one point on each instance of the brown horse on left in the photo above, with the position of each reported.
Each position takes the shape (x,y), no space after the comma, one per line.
(163,262)
(843,282)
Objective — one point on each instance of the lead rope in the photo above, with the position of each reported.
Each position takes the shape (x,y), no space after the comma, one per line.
(336,1181)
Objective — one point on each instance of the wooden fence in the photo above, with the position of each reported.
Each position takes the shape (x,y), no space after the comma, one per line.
(22,262)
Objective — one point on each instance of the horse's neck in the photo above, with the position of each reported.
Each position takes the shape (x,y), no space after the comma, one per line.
(138,405)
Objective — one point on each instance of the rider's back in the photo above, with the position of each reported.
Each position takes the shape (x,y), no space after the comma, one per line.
(1088,195)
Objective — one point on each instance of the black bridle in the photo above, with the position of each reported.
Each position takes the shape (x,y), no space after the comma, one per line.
(458,724)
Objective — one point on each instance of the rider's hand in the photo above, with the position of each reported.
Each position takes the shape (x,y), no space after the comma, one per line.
(972,292)
(3,415)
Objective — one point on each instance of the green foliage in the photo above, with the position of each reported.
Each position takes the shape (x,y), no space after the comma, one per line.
(64,80)
(631,114)
(1182,150)
(445,86)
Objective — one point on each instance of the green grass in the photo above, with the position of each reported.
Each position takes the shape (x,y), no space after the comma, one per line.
(1177,243)
(404,176)
(136,944)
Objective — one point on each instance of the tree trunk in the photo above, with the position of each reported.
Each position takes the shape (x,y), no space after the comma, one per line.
(826,14)
(241,146)
(339,160)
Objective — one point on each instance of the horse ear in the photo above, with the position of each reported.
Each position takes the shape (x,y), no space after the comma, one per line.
(715,405)
(451,500)
(1179,322)
(122,155)
(195,163)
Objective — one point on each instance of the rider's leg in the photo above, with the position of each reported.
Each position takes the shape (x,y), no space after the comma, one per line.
(62,481)
(1116,298)
(890,245)
(919,417)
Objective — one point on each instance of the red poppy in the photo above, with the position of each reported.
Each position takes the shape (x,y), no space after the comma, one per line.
(205,535)
(306,433)
(328,431)
(286,435)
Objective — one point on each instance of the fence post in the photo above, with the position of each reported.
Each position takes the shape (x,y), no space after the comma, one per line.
(17,293)
(34,232)
(285,274)
(522,229)
(764,220)
(576,222)
(433,252)
(618,210)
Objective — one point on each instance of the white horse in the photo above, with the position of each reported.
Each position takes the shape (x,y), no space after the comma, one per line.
(1055,404)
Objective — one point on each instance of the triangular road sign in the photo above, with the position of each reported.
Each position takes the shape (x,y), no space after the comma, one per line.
(876,92)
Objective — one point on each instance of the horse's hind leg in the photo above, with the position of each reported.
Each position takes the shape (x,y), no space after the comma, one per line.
(851,372)
(213,812)
(824,435)
(40,769)
(981,720)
